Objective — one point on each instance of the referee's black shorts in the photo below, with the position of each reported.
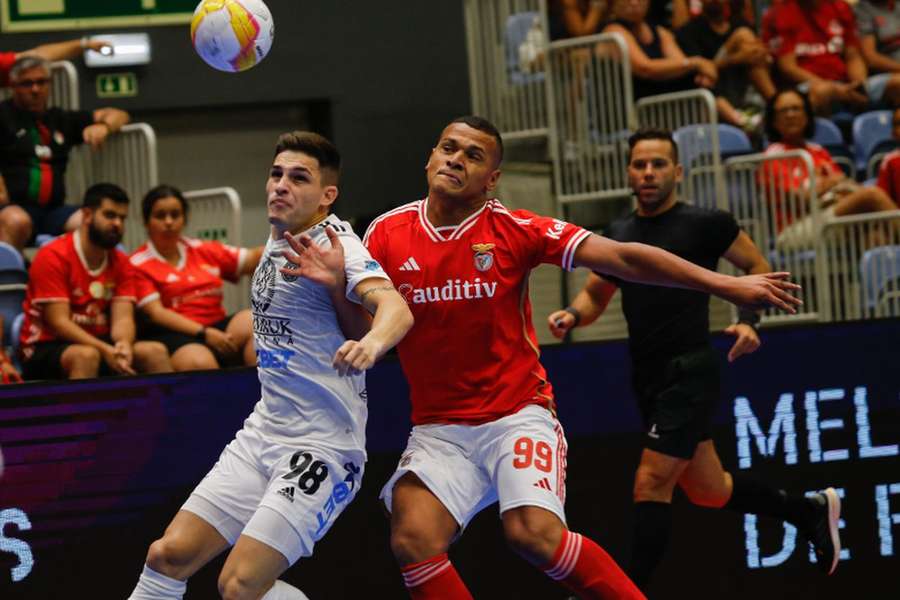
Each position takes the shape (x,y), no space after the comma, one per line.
(677,397)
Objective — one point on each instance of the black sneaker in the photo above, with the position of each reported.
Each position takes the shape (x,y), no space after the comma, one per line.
(823,533)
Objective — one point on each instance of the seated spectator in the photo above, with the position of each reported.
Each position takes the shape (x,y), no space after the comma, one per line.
(889,171)
(816,46)
(726,39)
(879,35)
(658,65)
(79,305)
(8,371)
(576,18)
(789,123)
(49,52)
(179,288)
(34,151)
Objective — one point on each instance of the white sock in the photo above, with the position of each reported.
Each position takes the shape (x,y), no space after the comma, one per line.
(156,586)
(283,591)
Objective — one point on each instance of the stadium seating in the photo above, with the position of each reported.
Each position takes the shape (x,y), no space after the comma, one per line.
(828,135)
(13,278)
(880,272)
(870,129)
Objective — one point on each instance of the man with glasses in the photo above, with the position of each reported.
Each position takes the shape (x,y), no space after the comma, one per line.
(34,151)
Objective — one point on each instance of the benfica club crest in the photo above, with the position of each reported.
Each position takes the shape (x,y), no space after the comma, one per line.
(484,258)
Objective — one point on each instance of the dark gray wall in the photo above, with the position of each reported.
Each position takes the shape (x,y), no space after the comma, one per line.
(394,72)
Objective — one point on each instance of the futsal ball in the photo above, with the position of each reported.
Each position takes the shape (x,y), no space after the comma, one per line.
(232,35)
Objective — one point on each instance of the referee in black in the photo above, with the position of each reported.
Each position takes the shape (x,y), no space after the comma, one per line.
(675,370)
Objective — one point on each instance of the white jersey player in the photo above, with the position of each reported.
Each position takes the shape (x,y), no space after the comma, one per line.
(298,461)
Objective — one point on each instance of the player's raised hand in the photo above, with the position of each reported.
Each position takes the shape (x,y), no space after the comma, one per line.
(560,322)
(747,340)
(354,357)
(761,291)
(324,266)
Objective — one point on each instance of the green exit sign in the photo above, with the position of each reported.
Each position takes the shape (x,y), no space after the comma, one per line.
(116,85)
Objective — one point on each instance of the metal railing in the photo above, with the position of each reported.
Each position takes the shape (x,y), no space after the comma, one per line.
(591,116)
(216,215)
(861,266)
(506,90)
(781,219)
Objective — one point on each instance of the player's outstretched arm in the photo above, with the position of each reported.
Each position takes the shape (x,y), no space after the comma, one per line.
(646,264)
(391,320)
(588,305)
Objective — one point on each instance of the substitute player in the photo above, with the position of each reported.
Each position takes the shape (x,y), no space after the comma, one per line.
(298,461)
(484,421)
(675,369)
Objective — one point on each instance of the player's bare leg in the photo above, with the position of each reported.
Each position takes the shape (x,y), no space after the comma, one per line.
(421,531)
(188,543)
(541,538)
(250,570)
(704,481)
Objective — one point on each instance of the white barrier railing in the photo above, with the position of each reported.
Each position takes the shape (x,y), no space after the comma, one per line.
(776,216)
(861,266)
(215,214)
(506,90)
(591,117)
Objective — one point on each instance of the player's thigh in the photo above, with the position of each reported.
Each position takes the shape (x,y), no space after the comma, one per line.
(417,511)
(251,568)
(240,326)
(188,543)
(528,464)
(438,456)
(307,491)
(704,480)
(656,475)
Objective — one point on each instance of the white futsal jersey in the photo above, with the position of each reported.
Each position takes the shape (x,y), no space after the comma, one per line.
(296,331)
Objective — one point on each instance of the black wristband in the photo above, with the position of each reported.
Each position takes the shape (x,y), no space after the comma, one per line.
(201,335)
(574,312)
(749,317)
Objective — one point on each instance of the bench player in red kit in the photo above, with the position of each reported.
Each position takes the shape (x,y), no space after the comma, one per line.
(485,427)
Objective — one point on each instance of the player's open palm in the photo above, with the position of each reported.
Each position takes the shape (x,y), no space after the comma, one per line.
(324,266)
(354,357)
(762,291)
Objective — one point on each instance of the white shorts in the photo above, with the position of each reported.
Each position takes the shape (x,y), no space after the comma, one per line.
(519,460)
(284,496)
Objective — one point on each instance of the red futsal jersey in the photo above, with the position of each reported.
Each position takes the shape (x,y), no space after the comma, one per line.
(789,174)
(889,176)
(193,287)
(60,273)
(818,38)
(472,355)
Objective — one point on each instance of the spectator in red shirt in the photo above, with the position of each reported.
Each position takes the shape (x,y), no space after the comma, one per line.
(789,124)
(889,171)
(79,306)
(816,44)
(179,287)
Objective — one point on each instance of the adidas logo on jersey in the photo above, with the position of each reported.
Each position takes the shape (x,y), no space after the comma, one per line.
(453,290)
(544,484)
(652,433)
(287,492)
(410,265)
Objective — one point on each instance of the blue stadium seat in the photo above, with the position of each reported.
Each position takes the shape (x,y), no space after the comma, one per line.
(828,135)
(869,129)
(517,27)
(880,273)
(877,154)
(695,149)
(13,276)
(15,332)
(733,141)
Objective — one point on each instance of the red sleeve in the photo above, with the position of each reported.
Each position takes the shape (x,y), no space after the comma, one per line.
(553,241)
(226,257)
(7,59)
(886,178)
(49,277)
(144,286)
(373,241)
(124,276)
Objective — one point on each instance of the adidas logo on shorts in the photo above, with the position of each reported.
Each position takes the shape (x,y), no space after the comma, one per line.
(287,492)
(544,484)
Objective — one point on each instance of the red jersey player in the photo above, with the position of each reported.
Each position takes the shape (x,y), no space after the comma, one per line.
(79,307)
(484,423)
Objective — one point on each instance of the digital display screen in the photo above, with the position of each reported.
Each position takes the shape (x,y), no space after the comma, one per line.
(95,470)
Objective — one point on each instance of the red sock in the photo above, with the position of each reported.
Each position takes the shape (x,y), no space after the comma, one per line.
(586,569)
(434,578)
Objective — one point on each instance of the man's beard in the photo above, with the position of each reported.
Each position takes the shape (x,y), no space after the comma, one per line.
(107,241)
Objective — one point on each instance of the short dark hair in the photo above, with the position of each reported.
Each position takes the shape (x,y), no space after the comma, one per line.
(482,124)
(314,145)
(771,132)
(95,194)
(158,193)
(653,133)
